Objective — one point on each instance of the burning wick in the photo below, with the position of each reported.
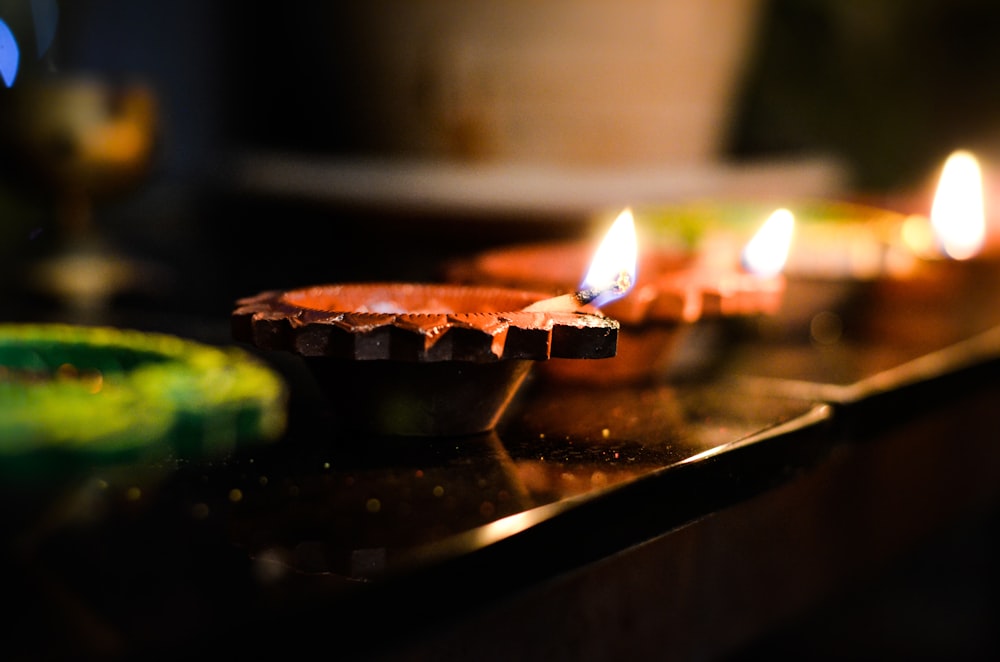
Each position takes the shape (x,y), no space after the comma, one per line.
(611,274)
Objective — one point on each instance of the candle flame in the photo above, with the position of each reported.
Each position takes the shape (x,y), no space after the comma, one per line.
(766,253)
(612,269)
(957,214)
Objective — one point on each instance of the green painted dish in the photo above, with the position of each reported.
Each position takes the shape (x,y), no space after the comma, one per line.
(833,240)
(100,393)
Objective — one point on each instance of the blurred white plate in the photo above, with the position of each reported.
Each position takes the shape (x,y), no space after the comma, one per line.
(486,189)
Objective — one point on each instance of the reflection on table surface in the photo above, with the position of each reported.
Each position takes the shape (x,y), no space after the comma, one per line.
(322,517)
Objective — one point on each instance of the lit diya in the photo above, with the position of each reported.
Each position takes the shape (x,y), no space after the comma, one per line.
(839,252)
(425,359)
(674,287)
(955,247)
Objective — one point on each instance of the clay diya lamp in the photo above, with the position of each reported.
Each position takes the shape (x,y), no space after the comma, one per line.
(956,249)
(675,288)
(839,251)
(419,359)
(649,322)
(439,359)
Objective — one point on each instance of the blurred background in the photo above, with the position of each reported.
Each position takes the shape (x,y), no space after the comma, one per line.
(303,142)
(226,147)
(166,158)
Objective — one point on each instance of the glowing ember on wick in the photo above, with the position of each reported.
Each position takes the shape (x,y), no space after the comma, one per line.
(611,274)
(765,254)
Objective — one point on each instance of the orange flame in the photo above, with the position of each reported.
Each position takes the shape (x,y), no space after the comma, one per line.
(613,267)
(957,214)
(766,253)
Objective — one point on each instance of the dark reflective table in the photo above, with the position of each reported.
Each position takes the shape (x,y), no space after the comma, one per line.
(685,516)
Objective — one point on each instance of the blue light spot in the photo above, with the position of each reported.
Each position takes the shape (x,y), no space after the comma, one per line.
(9,55)
(46,15)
